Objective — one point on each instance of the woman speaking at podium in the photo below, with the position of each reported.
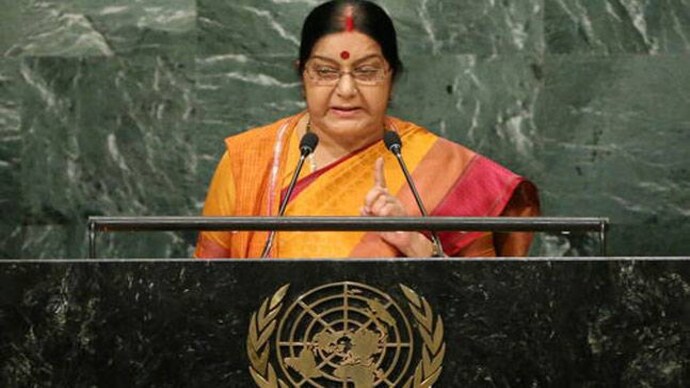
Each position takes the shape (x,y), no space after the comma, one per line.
(348,63)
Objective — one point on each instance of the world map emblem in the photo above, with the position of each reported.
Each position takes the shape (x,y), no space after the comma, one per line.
(345,334)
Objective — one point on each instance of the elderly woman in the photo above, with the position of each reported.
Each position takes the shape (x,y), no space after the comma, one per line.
(348,62)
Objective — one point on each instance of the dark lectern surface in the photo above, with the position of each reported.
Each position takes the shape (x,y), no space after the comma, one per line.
(535,322)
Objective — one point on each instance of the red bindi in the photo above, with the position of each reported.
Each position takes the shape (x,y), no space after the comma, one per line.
(345,54)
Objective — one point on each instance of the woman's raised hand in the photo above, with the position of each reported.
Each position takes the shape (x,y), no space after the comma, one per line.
(378,202)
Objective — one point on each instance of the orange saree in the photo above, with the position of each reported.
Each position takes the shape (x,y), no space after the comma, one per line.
(452,180)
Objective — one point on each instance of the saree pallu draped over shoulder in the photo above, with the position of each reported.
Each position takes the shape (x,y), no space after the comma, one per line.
(258,164)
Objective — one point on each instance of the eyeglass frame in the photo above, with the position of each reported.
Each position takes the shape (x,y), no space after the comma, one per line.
(312,77)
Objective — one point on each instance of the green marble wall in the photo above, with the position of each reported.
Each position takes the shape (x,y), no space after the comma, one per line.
(119,107)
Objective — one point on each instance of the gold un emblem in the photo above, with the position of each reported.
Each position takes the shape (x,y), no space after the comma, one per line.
(345,334)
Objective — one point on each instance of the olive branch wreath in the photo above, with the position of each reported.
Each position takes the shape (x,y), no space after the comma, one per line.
(429,368)
(263,324)
(261,328)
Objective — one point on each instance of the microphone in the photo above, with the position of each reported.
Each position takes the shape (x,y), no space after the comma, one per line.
(307,145)
(392,141)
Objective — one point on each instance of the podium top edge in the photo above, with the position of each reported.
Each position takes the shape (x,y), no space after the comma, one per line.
(524,260)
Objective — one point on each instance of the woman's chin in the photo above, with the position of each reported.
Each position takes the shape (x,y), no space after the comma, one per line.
(347,126)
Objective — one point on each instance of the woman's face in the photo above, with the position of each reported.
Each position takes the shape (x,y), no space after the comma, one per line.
(351,108)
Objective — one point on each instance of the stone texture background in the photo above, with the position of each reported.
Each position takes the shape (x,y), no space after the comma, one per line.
(119,107)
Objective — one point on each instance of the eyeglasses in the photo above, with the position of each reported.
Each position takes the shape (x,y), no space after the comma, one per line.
(329,75)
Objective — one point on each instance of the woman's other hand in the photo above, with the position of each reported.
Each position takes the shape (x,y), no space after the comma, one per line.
(378,202)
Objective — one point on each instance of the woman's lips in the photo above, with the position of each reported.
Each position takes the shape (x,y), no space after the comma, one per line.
(345,112)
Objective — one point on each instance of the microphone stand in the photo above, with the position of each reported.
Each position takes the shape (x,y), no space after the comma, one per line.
(307,146)
(394,144)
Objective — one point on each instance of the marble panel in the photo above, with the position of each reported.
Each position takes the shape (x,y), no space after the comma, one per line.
(238,92)
(10,28)
(617,26)
(614,134)
(484,28)
(79,28)
(104,136)
(10,158)
(486,104)
(50,240)
(251,27)
(505,322)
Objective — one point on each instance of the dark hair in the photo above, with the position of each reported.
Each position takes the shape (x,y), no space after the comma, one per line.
(369,19)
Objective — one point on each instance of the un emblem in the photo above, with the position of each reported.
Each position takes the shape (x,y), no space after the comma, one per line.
(345,334)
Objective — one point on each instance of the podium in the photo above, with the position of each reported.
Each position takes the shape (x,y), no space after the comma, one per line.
(456,322)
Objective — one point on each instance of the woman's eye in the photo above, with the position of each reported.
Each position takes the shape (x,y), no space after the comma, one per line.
(366,72)
(326,72)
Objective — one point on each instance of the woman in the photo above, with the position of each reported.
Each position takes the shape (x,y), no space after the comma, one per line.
(348,63)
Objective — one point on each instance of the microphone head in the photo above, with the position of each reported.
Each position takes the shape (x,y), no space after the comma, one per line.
(308,143)
(392,141)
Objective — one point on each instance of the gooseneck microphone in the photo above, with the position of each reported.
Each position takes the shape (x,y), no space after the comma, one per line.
(307,145)
(394,144)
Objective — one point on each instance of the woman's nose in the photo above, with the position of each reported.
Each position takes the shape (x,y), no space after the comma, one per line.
(346,86)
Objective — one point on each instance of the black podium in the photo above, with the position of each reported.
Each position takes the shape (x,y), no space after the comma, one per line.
(242,323)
